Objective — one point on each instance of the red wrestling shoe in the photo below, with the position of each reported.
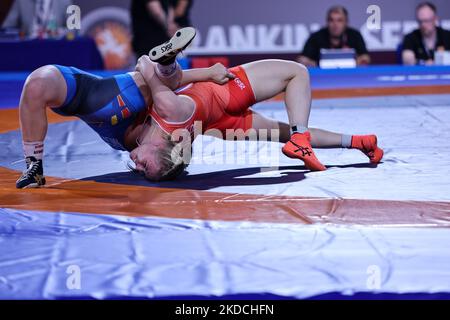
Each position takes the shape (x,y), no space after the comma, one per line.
(299,147)
(368,145)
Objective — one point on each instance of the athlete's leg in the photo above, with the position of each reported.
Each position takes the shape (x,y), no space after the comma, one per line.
(260,122)
(319,138)
(322,139)
(271,77)
(44,87)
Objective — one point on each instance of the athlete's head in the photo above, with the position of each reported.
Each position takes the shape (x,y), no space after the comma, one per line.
(337,19)
(158,157)
(427,18)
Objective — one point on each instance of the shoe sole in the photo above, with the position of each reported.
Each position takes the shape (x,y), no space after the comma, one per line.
(33,185)
(181,39)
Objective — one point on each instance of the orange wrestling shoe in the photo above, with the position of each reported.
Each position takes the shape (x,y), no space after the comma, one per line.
(368,145)
(299,147)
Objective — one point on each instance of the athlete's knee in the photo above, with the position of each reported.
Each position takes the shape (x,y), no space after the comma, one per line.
(300,70)
(43,86)
(37,84)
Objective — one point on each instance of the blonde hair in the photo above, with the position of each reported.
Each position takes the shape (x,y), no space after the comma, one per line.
(174,157)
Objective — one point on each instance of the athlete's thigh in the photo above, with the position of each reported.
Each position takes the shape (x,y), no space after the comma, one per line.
(50,82)
(269,77)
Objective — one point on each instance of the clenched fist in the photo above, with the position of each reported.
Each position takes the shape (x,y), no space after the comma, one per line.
(219,74)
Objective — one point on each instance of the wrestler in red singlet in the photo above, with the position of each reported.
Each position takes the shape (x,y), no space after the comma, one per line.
(227,106)
(216,106)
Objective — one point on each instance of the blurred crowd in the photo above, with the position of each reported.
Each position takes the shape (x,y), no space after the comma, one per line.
(36,18)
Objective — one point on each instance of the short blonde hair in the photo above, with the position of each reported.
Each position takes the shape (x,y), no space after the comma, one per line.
(173,159)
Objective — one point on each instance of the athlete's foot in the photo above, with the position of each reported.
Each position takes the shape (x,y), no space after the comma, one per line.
(299,147)
(166,53)
(33,176)
(368,145)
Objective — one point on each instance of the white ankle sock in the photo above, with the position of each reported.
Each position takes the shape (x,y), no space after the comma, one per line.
(346,141)
(34,149)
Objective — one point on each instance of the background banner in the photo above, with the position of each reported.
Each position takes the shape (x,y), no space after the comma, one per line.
(257,26)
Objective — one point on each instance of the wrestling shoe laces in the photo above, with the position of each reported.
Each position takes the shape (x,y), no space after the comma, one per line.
(33,176)
(299,147)
(166,53)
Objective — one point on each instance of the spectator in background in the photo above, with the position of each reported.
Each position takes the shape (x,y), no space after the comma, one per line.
(152,24)
(420,45)
(337,35)
(38,18)
(182,10)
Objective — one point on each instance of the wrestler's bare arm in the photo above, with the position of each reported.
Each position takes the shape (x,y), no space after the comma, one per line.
(218,73)
(181,78)
(166,103)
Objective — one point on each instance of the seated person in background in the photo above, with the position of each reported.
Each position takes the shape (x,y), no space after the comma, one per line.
(337,35)
(37,18)
(420,45)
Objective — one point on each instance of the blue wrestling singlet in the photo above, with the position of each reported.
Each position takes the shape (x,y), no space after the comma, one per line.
(107,105)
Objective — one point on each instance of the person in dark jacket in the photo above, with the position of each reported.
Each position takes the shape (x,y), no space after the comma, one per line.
(336,35)
(152,24)
(420,45)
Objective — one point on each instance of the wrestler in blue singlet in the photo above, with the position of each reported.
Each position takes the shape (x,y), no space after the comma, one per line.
(107,105)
